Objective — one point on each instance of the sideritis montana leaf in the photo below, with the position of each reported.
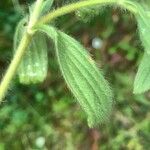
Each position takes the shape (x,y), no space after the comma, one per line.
(143,21)
(33,68)
(82,76)
(45,7)
(142,79)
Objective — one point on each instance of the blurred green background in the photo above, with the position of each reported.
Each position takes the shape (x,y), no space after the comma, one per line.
(46,116)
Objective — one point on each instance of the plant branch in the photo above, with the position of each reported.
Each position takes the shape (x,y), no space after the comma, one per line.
(14,65)
(12,69)
(75,6)
(34,16)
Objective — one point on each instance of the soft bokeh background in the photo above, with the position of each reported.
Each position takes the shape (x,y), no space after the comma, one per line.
(46,116)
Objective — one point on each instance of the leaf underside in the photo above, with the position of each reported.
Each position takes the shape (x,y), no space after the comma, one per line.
(82,77)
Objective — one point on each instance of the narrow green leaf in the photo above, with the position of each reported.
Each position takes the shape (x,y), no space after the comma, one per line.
(33,68)
(82,76)
(142,79)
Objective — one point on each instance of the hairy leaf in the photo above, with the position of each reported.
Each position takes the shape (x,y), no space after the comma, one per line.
(33,68)
(45,7)
(144,27)
(142,79)
(83,77)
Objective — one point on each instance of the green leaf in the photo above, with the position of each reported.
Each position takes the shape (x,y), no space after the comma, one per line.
(45,7)
(33,68)
(18,7)
(82,76)
(144,27)
(142,79)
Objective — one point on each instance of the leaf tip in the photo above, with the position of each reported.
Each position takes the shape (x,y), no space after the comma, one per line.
(140,90)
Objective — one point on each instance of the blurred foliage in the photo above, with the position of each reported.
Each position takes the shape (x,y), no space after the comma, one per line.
(45,116)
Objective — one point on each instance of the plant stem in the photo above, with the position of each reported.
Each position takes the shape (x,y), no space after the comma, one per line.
(45,19)
(34,16)
(14,65)
(26,39)
(75,6)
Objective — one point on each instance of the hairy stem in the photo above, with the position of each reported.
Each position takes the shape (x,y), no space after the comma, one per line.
(34,16)
(45,19)
(75,6)
(12,69)
(14,65)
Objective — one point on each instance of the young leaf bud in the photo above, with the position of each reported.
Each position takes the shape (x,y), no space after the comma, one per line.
(33,67)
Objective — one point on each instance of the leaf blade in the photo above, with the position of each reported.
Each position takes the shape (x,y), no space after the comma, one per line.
(143,27)
(82,77)
(142,79)
(33,67)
